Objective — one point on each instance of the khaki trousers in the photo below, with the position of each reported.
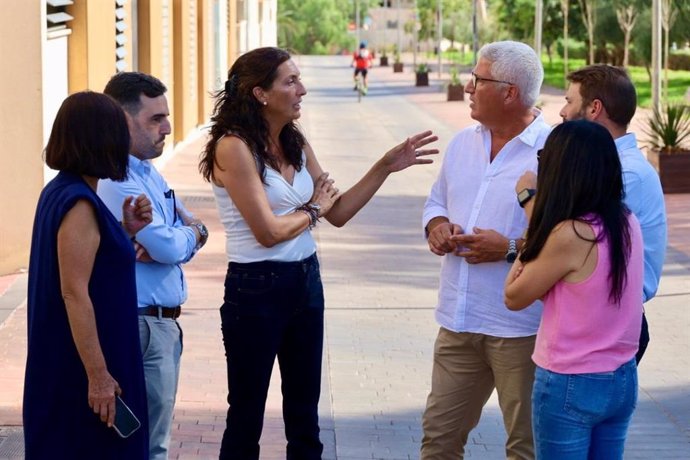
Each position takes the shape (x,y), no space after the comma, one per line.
(466,369)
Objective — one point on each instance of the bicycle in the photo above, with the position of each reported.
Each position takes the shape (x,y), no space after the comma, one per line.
(360,88)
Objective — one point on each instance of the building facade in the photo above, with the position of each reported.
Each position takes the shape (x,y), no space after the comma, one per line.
(52,48)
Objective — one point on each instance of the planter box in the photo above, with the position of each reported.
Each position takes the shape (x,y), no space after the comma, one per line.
(383,60)
(674,170)
(456,92)
(397,67)
(421,78)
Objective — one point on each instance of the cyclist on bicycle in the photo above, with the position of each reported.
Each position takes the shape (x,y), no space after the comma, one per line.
(361,60)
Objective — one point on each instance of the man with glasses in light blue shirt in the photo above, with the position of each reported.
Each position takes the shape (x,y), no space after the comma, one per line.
(604,94)
(171,240)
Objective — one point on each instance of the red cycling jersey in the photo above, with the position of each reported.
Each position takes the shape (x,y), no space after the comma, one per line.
(362,59)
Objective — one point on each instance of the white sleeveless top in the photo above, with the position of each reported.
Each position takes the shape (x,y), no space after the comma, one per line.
(241,245)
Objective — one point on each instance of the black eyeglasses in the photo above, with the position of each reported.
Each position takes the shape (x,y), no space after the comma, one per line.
(475,78)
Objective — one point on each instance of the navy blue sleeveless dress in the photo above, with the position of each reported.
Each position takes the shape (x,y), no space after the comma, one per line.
(58,423)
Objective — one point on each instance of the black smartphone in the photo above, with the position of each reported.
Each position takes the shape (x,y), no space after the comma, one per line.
(126,422)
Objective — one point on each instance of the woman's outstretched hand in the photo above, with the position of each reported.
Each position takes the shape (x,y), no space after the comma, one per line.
(410,152)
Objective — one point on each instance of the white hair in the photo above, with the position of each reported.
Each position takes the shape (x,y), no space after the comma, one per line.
(517,63)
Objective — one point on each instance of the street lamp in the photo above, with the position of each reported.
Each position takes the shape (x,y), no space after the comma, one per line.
(439,36)
(656,54)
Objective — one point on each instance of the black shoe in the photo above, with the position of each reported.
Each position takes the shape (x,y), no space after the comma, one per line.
(355,88)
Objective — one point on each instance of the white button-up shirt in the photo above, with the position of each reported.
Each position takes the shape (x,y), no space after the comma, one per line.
(473,191)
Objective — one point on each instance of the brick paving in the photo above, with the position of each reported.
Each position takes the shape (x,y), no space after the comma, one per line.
(380,283)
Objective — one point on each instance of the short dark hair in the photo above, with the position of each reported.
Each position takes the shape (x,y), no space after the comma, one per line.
(127,88)
(580,178)
(612,86)
(90,137)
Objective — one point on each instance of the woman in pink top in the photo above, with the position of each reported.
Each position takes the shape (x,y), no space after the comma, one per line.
(583,258)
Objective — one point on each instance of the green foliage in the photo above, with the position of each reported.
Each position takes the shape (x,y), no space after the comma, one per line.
(576,49)
(669,128)
(679,80)
(679,60)
(422,68)
(454,75)
(314,26)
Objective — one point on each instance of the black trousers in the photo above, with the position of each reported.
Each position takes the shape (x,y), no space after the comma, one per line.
(273,309)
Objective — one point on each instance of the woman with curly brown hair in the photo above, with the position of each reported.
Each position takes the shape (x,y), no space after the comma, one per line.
(271,192)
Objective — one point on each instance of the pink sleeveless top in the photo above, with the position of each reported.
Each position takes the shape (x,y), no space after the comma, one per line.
(581,331)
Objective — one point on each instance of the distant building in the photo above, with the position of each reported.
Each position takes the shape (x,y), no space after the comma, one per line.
(386,25)
(52,48)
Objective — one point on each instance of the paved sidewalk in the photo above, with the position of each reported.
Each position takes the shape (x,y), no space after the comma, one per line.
(380,282)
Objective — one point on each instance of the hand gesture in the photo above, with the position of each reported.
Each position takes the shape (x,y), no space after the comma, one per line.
(325,194)
(481,246)
(440,242)
(102,390)
(408,153)
(136,213)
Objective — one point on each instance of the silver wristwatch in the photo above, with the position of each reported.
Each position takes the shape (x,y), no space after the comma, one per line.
(203,233)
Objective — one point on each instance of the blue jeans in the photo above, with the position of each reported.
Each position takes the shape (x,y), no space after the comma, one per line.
(161,348)
(273,309)
(583,416)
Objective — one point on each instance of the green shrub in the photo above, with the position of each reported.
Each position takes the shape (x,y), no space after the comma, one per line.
(679,61)
(669,127)
(576,50)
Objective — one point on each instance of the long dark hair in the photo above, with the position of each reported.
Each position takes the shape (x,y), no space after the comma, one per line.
(237,110)
(580,178)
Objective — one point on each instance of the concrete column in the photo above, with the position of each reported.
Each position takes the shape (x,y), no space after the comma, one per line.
(155,46)
(233,33)
(91,45)
(206,59)
(185,67)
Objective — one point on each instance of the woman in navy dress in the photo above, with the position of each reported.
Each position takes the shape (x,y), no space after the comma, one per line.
(83,342)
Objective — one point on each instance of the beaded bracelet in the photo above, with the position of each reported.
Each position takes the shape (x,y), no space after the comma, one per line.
(312,212)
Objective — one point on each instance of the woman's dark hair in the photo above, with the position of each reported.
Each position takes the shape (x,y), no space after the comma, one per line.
(90,137)
(238,111)
(580,178)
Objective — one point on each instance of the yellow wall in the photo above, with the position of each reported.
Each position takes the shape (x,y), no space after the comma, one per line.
(155,45)
(91,45)
(21,127)
(176,43)
(205,59)
(185,68)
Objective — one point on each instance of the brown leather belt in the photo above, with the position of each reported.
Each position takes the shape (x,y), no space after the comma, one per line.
(165,312)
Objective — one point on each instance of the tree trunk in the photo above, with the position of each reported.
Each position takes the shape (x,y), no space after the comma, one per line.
(565,5)
(626,48)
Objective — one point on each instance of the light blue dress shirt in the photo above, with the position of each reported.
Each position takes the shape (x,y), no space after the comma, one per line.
(167,240)
(645,198)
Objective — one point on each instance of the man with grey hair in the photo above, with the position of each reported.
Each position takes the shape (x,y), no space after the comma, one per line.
(473,220)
